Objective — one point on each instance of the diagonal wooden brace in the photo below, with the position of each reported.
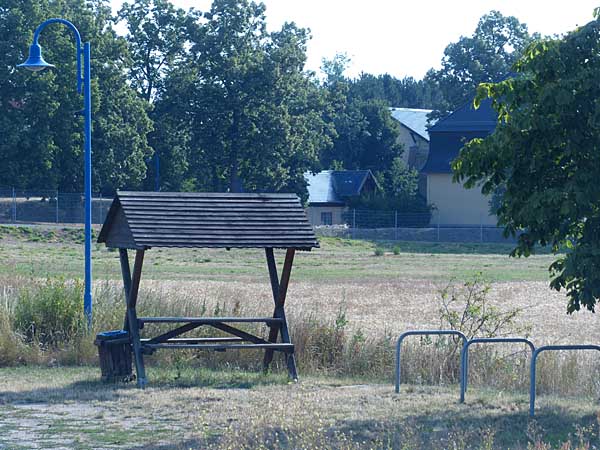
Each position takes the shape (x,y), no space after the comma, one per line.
(279,289)
(132,286)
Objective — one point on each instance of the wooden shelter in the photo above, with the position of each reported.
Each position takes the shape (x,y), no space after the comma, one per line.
(142,220)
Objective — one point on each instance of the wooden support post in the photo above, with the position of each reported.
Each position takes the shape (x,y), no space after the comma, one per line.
(279,289)
(126,274)
(132,286)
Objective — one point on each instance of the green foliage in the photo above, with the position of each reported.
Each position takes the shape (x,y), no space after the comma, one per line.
(156,34)
(545,154)
(224,103)
(485,56)
(250,117)
(467,308)
(50,313)
(406,92)
(42,135)
(399,193)
(367,134)
(379,251)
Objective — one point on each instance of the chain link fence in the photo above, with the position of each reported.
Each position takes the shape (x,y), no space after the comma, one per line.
(48,206)
(397,226)
(434,233)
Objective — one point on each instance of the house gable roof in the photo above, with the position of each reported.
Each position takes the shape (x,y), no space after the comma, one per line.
(449,135)
(141,220)
(413,119)
(467,118)
(332,186)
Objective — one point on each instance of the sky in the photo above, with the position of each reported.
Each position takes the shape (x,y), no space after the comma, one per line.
(404,37)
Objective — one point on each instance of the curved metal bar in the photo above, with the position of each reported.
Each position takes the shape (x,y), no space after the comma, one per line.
(75,31)
(423,333)
(464,356)
(533,366)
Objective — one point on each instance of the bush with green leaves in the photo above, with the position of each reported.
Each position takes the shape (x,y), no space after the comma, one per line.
(50,312)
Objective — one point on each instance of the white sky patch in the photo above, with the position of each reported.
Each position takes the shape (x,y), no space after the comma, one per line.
(403,37)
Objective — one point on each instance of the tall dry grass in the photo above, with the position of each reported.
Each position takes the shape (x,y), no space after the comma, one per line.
(328,347)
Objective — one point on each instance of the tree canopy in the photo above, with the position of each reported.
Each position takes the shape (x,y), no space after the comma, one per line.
(485,56)
(254,119)
(42,132)
(222,102)
(545,155)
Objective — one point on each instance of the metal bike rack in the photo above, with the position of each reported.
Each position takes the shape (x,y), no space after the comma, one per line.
(423,333)
(533,366)
(464,356)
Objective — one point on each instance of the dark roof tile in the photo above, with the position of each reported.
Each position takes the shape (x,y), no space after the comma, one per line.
(221,220)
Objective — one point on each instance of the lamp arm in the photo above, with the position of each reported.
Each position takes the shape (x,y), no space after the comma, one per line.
(75,31)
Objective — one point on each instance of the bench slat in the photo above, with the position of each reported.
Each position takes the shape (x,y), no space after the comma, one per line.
(209,320)
(288,348)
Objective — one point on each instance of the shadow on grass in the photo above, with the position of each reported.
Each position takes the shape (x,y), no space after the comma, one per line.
(92,389)
(504,430)
(440,431)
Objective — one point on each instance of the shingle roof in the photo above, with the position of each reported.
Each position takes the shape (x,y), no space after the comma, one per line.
(222,220)
(413,119)
(467,118)
(320,188)
(331,186)
(449,135)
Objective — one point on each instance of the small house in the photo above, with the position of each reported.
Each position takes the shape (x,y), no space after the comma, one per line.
(329,192)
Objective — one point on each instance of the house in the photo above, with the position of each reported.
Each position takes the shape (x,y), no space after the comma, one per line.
(413,135)
(330,190)
(456,205)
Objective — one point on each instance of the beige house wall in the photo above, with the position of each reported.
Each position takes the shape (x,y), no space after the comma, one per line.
(456,205)
(415,150)
(314,214)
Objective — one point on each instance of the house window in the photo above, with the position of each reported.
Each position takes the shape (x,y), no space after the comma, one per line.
(326,218)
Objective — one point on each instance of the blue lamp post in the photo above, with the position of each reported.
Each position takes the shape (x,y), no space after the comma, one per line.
(35,62)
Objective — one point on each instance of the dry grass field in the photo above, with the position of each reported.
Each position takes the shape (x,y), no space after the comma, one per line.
(343,405)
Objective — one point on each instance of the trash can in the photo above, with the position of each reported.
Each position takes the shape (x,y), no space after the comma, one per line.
(114,352)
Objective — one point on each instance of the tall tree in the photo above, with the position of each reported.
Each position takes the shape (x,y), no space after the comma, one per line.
(158,38)
(255,118)
(406,92)
(366,132)
(42,131)
(545,153)
(486,56)
(157,34)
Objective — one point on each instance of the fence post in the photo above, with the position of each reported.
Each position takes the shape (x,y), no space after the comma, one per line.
(354,218)
(14,206)
(395,225)
(101,218)
(438,229)
(57,206)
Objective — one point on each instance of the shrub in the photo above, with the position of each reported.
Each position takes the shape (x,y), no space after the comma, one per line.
(379,251)
(51,312)
(466,308)
(396,250)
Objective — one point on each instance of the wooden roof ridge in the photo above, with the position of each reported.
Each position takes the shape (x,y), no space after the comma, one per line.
(140,220)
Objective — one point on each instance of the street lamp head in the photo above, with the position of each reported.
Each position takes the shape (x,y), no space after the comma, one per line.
(35,62)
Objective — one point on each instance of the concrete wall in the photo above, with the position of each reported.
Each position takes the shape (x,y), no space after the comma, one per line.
(456,205)
(314,214)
